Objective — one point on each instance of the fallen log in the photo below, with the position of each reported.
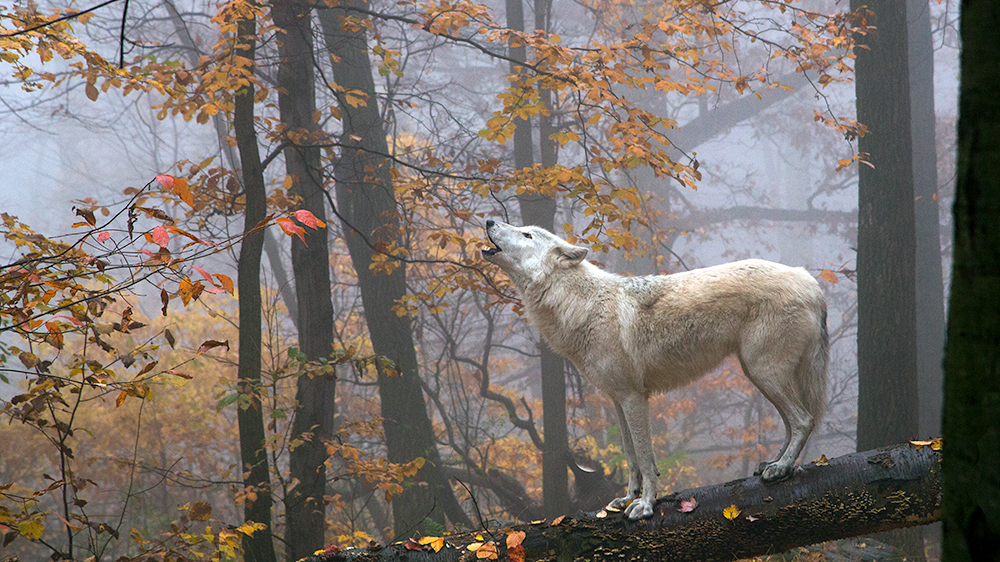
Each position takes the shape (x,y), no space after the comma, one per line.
(856,494)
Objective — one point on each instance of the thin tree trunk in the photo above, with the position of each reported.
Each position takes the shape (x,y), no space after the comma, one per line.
(366,205)
(253,454)
(929,274)
(313,423)
(972,358)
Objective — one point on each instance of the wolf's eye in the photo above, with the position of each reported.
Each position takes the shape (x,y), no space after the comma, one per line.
(526,234)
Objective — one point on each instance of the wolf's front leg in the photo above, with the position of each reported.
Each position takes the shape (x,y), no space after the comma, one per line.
(634,489)
(634,411)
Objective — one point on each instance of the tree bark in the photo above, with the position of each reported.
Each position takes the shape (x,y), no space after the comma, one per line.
(366,205)
(539,209)
(856,494)
(929,275)
(250,420)
(313,422)
(887,346)
(971,529)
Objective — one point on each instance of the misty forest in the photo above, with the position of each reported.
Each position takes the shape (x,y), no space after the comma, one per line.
(244,313)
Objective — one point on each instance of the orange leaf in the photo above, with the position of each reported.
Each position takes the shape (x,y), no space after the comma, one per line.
(226,283)
(515,538)
(829,276)
(558,520)
(182,191)
(121,398)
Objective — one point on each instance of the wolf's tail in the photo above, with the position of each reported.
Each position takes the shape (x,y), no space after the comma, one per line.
(814,373)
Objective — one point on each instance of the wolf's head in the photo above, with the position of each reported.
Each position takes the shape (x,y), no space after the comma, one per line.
(528,253)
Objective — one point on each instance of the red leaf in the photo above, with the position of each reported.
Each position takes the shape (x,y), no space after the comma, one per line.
(205,274)
(166,181)
(160,237)
(292,229)
(308,219)
(688,505)
(103,236)
(165,299)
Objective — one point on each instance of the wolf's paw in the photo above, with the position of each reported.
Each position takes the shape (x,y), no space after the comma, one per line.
(639,509)
(619,504)
(775,472)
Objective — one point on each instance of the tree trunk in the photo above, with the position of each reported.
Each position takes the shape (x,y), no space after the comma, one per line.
(313,422)
(856,494)
(253,453)
(929,275)
(972,357)
(887,348)
(539,209)
(366,205)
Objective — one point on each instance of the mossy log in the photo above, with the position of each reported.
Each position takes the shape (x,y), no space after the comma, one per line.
(857,494)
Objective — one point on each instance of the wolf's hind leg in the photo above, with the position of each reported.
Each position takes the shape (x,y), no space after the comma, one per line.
(634,475)
(776,382)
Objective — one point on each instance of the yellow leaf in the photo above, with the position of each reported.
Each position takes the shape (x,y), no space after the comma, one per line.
(488,551)
(821,461)
(731,512)
(31,529)
(437,543)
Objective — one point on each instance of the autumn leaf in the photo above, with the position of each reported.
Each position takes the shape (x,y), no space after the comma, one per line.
(291,228)
(437,543)
(821,461)
(28,359)
(226,283)
(160,237)
(934,444)
(211,344)
(829,276)
(165,300)
(103,236)
(170,337)
(167,181)
(121,398)
(307,218)
(31,529)
(515,538)
(558,520)
(688,505)
(731,512)
(200,511)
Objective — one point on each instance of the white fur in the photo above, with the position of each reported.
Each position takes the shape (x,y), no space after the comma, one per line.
(632,336)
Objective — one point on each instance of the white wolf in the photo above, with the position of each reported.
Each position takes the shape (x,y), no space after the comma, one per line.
(632,336)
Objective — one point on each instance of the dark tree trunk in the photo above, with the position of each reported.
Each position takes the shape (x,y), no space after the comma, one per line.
(887,347)
(856,494)
(366,205)
(929,275)
(972,357)
(250,420)
(539,209)
(887,393)
(313,422)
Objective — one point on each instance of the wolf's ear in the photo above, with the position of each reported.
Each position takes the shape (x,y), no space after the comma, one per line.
(571,255)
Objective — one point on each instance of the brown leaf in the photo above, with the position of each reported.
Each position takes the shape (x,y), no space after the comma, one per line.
(170,337)
(211,344)
(200,511)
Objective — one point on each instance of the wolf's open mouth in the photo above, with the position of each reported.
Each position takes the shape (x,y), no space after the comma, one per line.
(491,251)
